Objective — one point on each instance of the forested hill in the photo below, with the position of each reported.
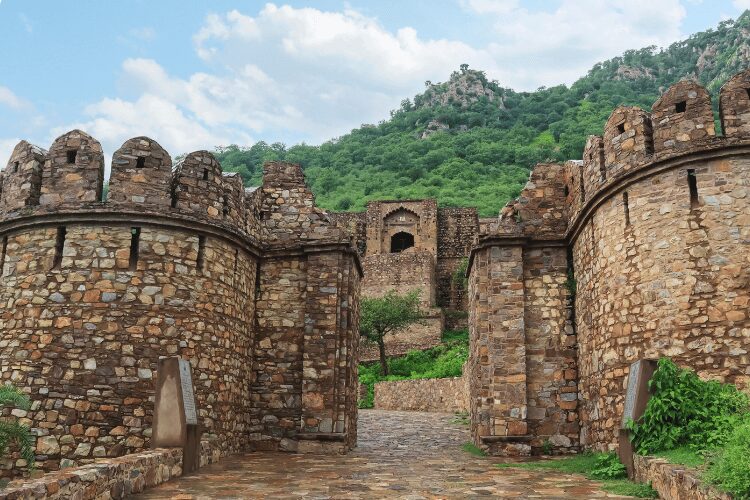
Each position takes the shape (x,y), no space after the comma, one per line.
(471,142)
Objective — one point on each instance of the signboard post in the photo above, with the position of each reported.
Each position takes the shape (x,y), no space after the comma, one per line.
(175,412)
(636,399)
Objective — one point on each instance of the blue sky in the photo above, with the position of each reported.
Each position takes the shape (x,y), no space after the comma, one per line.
(195,75)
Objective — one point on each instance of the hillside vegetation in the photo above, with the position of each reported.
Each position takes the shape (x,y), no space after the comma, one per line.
(471,142)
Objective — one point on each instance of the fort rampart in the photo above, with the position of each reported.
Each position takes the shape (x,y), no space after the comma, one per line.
(641,250)
(255,287)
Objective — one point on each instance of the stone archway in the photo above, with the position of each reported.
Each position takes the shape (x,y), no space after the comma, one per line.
(401,241)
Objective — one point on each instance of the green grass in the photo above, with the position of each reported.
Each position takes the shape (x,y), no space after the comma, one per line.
(473,449)
(461,418)
(682,456)
(589,465)
(444,360)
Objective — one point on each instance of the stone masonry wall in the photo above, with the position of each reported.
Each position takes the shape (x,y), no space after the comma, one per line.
(652,230)
(673,282)
(84,337)
(258,289)
(446,395)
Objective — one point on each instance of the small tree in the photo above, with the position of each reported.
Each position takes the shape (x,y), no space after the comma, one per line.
(387,314)
(11,431)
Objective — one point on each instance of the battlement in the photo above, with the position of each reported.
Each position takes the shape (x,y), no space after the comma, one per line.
(68,179)
(177,261)
(680,124)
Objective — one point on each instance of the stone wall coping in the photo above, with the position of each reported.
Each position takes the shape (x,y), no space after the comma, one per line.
(672,481)
(107,476)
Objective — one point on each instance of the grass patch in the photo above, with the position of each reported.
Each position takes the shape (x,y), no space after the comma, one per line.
(682,456)
(603,467)
(473,449)
(461,418)
(444,360)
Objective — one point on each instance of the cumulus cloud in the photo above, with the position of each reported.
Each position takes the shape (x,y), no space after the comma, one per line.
(558,45)
(294,74)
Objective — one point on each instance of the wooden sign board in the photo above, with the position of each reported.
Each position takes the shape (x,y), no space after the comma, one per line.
(636,399)
(175,411)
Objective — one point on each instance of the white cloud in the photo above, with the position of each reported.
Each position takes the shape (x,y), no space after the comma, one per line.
(6,148)
(306,74)
(558,45)
(8,98)
(741,4)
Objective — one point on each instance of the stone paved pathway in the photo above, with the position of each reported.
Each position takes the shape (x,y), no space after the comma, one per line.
(406,455)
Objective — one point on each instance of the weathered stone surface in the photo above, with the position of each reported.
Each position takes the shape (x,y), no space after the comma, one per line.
(432,395)
(651,230)
(88,308)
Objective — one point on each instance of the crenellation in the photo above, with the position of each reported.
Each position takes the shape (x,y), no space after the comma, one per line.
(141,175)
(681,117)
(233,199)
(22,178)
(734,106)
(92,300)
(73,172)
(628,140)
(645,259)
(198,186)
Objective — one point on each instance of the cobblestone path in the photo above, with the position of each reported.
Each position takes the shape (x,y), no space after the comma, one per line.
(407,455)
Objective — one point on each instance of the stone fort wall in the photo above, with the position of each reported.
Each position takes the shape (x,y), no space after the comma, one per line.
(651,233)
(257,288)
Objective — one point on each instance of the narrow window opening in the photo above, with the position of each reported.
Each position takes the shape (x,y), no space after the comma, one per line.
(59,247)
(621,128)
(2,256)
(236,258)
(566,190)
(205,174)
(140,162)
(748,92)
(626,207)
(693,185)
(201,251)
(72,156)
(225,207)
(680,107)
(583,190)
(602,167)
(15,167)
(135,239)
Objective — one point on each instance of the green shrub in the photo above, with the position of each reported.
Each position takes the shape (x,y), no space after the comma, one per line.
(444,360)
(730,468)
(608,466)
(687,411)
(11,431)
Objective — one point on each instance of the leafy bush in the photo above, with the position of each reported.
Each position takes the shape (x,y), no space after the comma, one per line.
(608,466)
(11,431)
(687,411)
(444,360)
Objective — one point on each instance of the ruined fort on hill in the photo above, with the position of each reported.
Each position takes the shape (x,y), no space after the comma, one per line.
(640,250)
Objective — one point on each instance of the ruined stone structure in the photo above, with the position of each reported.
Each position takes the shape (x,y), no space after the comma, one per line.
(414,245)
(255,287)
(641,250)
